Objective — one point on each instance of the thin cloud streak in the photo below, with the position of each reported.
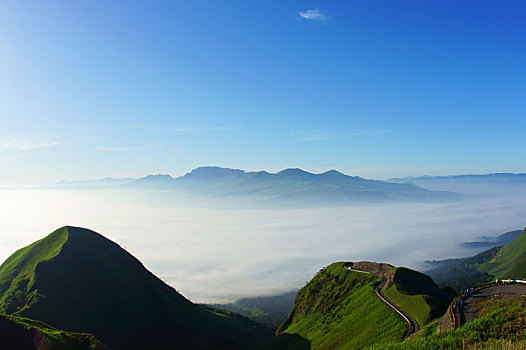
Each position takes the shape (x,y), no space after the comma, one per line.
(115,149)
(313,15)
(26,143)
(320,135)
(210,128)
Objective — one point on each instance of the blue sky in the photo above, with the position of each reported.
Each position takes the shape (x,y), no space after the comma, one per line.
(91,89)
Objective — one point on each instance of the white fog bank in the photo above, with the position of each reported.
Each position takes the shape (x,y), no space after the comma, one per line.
(218,255)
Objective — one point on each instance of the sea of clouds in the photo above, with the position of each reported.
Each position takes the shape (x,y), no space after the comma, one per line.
(218,255)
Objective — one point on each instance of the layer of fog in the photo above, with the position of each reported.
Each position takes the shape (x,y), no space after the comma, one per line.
(218,255)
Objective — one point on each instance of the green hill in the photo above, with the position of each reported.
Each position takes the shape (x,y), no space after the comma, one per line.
(25,334)
(338,309)
(510,261)
(77,280)
(268,310)
(417,295)
(499,327)
(499,262)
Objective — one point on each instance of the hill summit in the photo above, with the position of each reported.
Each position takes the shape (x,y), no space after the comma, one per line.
(77,280)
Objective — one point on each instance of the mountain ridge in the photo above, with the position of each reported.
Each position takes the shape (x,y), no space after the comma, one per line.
(291,185)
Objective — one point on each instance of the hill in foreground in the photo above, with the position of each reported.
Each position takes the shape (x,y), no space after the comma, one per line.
(500,326)
(339,309)
(24,334)
(77,280)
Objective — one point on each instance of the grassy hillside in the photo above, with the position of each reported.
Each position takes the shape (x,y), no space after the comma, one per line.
(338,309)
(500,326)
(460,274)
(17,273)
(505,262)
(417,295)
(510,261)
(22,333)
(269,310)
(77,280)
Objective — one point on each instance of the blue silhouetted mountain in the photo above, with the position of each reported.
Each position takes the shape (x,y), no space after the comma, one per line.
(503,178)
(330,187)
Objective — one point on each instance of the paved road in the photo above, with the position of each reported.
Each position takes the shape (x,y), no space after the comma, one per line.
(468,312)
(413,324)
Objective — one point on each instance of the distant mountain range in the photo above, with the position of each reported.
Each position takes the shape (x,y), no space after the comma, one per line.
(497,184)
(108,181)
(504,178)
(331,187)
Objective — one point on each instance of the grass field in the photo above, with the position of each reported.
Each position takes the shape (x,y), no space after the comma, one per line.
(418,295)
(338,309)
(499,262)
(501,325)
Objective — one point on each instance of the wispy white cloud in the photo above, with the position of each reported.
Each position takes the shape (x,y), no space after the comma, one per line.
(115,149)
(314,15)
(322,135)
(26,143)
(210,128)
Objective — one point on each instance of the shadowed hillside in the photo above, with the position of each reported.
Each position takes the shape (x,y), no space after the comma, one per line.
(77,280)
(24,334)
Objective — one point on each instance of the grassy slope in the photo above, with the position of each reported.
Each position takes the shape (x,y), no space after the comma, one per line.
(56,338)
(417,295)
(17,273)
(463,273)
(82,282)
(500,326)
(269,310)
(509,261)
(338,309)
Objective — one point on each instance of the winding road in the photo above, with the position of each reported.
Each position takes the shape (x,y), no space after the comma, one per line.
(468,311)
(413,324)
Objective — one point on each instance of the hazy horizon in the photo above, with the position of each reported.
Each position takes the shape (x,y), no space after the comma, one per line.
(96,89)
(219,255)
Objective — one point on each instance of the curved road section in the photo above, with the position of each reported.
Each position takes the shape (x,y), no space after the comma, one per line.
(413,324)
(468,311)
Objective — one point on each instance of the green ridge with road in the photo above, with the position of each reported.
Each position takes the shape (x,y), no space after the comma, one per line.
(339,309)
(500,326)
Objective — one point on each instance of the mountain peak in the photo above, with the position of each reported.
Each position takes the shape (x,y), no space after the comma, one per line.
(76,279)
(212,173)
(293,171)
(333,173)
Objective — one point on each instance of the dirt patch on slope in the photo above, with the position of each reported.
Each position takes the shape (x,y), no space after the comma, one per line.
(381,269)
